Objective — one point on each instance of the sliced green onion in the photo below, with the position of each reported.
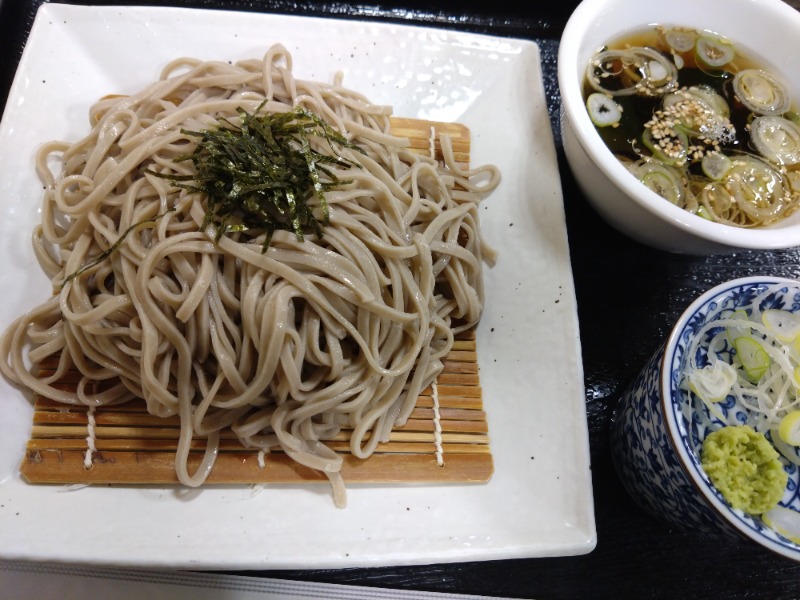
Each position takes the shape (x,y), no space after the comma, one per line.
(783,324)
(752,193)
(671,149)
(700,111)
(755,182)
(754,358)
(638,70)
(657,72)
(680,40)
(785,521)
(715,165)
(664,180)
(788,451)
(711,98)
(713,52)
(793,181)
(713,382)
(761,92)
(776,139)
(719,203)
(738,325)
(603,110)
(789,429)
(702,211)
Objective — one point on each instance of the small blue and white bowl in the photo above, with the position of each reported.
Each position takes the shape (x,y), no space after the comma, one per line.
(658,429)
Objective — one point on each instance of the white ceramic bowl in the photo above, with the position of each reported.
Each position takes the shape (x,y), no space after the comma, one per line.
(764,29)
(658,428)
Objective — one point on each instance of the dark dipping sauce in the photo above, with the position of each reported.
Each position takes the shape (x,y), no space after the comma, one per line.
(643,90)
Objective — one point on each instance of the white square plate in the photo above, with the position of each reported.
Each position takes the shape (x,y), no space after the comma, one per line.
(539,501)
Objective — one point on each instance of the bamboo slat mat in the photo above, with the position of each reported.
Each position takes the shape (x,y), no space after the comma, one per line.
(134,447)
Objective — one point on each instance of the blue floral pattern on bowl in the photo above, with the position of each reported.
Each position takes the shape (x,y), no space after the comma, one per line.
(659,428)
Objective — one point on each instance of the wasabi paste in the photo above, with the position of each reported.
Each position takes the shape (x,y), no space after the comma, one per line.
(745,468)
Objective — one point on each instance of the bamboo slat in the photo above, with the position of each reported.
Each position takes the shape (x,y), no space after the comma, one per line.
(134,447)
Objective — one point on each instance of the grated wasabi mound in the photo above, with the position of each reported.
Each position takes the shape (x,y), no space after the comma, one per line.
(745,468)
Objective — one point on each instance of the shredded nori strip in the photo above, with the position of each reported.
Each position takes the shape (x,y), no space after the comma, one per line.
(96,260)
(260,175)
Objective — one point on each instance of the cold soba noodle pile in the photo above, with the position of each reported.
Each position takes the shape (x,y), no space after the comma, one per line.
(246,249)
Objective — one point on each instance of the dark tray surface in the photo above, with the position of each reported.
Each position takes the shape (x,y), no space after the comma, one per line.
(636,556)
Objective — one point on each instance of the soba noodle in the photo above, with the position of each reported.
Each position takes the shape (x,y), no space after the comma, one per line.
(285,345)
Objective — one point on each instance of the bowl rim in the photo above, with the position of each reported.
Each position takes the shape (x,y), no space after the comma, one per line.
(580,21)
(674,436)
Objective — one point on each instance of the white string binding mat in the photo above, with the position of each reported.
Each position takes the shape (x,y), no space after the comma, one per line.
(90,439)
(437,424)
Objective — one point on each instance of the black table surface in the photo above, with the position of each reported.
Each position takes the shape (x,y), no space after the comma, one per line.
(636,556)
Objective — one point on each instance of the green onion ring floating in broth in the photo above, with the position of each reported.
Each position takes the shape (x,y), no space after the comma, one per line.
(603,111)
(776,139)
(664,180)
(752,193)
(702,94)
(713,52)
(761,92)
(680,40)
(641,71)
(715,165)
